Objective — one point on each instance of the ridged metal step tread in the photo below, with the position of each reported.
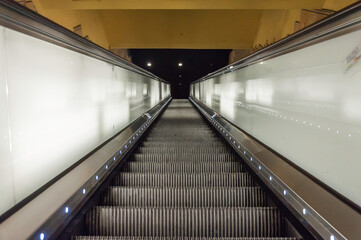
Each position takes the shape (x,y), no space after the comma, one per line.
(186,138)
(174,238)
(184,180)
(204,150)
(181,131)
(221,157)
(181,144)
(184,134)
(181,140)
(184,222)
(186,167)
(185,197)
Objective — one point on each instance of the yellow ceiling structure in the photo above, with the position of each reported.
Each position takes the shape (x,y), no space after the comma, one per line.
(220,29)
(191,24)
(182,4)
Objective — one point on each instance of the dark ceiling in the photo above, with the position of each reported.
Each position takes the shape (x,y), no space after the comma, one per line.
(196,64)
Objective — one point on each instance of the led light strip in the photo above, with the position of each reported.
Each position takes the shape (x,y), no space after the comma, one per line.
(287,195)
(62,215)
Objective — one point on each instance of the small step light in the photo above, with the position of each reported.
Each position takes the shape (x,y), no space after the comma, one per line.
(259,167)
(106,167)
(114,158)
(96,177)
(284,192)
(270,178)
(42,236)
(244,152)
(125,146)
(304,211)
(84,191)
(66,209)
(332,237)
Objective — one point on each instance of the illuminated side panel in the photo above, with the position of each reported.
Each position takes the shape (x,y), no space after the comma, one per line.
(304,104)
(6,165)
(57,105)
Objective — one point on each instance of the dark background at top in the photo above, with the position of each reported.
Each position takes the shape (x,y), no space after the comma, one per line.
(196,64)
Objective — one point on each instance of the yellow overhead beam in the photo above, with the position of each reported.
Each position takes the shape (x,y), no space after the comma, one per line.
(197,29)
(182,4)
(192,24)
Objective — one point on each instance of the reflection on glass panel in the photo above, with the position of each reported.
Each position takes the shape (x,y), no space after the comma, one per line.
(56,106)
(304,104)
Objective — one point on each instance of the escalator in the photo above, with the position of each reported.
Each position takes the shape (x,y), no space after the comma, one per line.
(183,182)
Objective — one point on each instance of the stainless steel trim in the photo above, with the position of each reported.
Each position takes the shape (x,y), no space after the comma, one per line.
(19,18)
(63,215)
(339,23)
(250,152)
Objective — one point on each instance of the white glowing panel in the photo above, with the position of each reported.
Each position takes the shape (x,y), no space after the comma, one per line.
(304,104)
(56,106)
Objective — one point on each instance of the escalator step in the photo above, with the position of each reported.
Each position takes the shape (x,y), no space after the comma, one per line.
(184,180)
(182,144)
(183,131)
(183,134)
(222,157)
(183,167)
(174,238)
(203,150)
(184,222)
(183,138)
(185,197)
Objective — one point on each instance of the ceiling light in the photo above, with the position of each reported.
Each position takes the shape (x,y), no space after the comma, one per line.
(180,64)
(149,64)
